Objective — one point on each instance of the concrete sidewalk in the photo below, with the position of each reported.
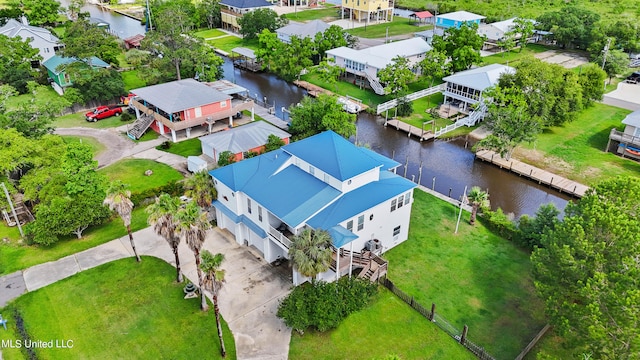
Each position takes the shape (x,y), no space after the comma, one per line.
(248,300)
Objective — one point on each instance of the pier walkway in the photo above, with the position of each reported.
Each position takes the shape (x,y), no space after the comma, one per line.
(541,176)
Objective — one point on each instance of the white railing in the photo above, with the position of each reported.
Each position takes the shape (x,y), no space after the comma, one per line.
(279,237)
(413,96)
(473,118)
(375,85)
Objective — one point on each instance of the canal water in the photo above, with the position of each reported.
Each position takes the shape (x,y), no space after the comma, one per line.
(447,166)
(121,25)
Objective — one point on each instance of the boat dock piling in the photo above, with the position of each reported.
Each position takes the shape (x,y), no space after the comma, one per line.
(541,176)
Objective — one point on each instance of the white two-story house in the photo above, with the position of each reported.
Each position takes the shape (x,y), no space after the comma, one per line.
(322,182)
(40,38)
(366,63)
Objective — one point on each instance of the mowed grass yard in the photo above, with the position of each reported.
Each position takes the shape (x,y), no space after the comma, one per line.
(16,255)
(399,26)
(327,14)
(387,326)
(227,43)
(576,149)
(120,310)
(191,147)
(475,278)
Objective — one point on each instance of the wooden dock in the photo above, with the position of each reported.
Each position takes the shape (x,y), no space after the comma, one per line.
(315,90)
(410,129)
(541,176)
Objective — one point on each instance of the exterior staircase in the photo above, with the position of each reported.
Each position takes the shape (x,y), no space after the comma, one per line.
(372,266)
(473,118)
(140,126)
(375,85)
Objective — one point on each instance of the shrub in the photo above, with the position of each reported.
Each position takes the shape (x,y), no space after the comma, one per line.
(405,108)
(225,158)
(531,229)
(126,116)
(173,188)
(165,145)
(324,305)
(500,223)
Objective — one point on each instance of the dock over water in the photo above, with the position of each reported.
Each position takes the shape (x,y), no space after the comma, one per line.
(410,130)
(535,174)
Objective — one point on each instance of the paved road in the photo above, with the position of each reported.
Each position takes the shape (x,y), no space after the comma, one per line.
(248,300)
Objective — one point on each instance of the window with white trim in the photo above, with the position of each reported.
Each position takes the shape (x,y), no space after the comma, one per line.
(393,205)
(350,225)
(407,197)
(400,201)
(360,222)
(249,206)
(260,213)
(223,103)
(396,230)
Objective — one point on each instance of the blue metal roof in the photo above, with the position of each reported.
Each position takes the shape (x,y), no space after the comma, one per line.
(341,236)
(333,154)
(359,200)
(288,192)
(237,219)
(387,164)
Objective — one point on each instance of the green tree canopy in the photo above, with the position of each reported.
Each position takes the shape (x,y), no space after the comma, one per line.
(617,62)
(461,45)
(83,40)
(273,143)
(15,62)
(253,22)
(315,115)
(42,12)
(397,76)
(588,271)
(570,26)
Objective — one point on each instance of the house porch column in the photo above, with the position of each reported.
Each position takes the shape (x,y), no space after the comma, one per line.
(137,112)
(161,127)
(230,121)
(252,114)
(188,130)
(337,264)
(173,135)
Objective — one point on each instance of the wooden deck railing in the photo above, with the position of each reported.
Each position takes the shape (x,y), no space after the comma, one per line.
(624,138)
(184,124)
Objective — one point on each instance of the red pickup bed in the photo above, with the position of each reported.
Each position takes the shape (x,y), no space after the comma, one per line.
(103,112)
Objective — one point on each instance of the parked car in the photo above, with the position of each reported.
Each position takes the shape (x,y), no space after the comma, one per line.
(633,78)
(103,112)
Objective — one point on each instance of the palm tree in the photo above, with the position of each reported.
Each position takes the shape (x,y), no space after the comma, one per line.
(200,188)
(162,218)
(213,281)
(310,252)
(191,226)
(119,200)
(478,199)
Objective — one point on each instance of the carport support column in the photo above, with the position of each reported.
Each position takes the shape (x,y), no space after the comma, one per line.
(351,258)
(230,121)
(337,264)
(188,130)
(161,127)
(173,135)
(252,113)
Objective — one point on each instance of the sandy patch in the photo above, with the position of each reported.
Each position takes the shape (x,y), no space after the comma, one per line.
(566,59)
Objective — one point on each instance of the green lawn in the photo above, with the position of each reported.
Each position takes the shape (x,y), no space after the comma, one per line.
(16,255)
(132,80)
(209,33)
(327,14)
(227,43)
(475,278)
(399,26)
(191,147)
(496,10)
(46,95)
(576,150)
(78,120)
(388,326)
(96,146)
(514,56)
(148,135)
(120,310)
(131,171)
(368,97)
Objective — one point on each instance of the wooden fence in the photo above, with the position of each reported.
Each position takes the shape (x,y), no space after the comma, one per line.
(441,322)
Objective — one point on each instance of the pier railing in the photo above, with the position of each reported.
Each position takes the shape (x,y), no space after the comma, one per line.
(413,96)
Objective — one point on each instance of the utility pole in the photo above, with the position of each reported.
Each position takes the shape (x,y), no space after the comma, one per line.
(149,16)
(13,210)
(605,51)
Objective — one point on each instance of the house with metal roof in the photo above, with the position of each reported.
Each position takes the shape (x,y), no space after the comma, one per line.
(428,35)
(465,88)
(457,18)
(241,140)
(56,69)
(627,141)
(494,32)
(39,38)
(182,105)
(301,30)
(321,182)
(232,10)
(366,63)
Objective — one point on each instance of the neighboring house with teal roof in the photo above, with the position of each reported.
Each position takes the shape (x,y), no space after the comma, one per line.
(321,182)
(458,18)
(56,70)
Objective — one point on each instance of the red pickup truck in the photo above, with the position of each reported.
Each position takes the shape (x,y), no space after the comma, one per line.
(102,112)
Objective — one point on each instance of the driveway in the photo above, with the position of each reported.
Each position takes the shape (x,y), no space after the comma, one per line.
(248,300)
(626,96)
